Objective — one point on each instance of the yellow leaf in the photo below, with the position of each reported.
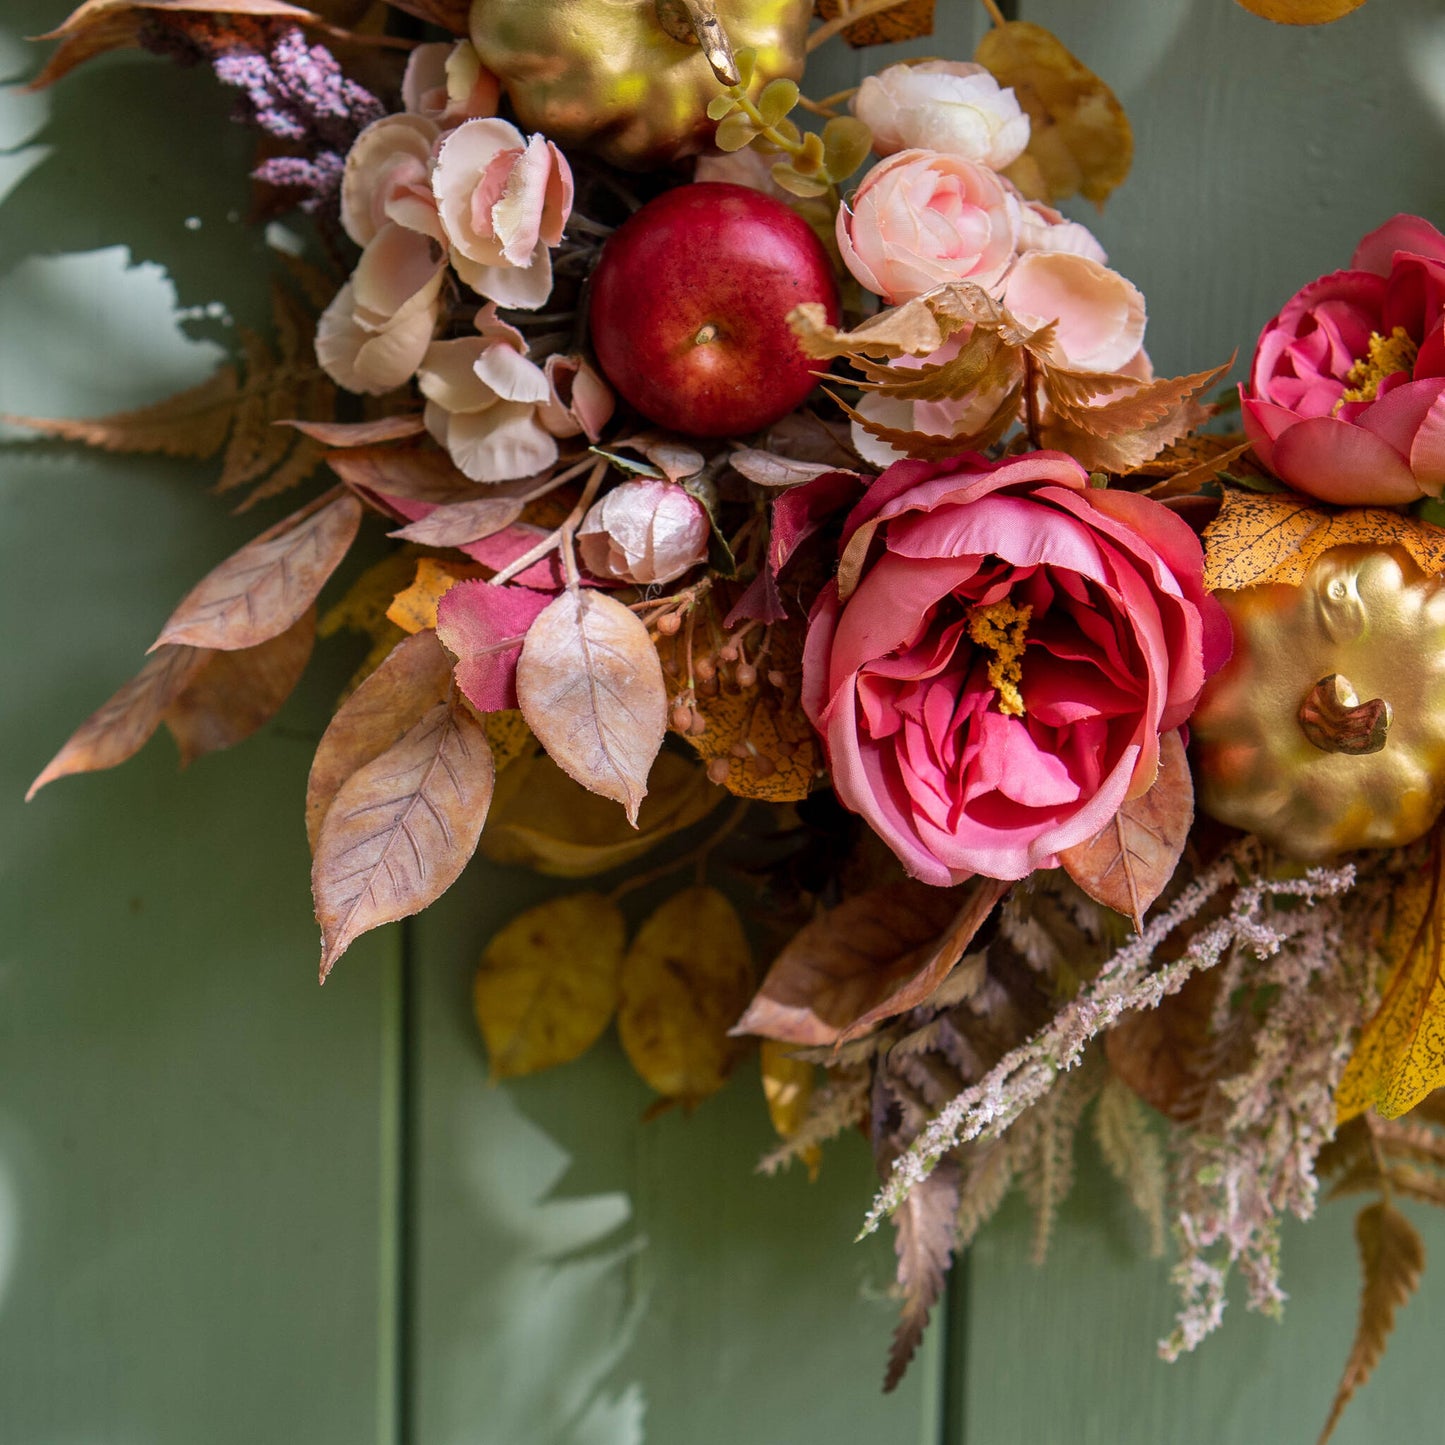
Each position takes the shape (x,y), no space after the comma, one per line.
(1274,537)
(541,819)
(1301,12)
(1400,1056)
(509,736)
(548,983)
(1080,139)
(415,607)
(685,980)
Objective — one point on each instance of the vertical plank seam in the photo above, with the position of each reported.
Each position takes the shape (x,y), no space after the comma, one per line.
(406,1214)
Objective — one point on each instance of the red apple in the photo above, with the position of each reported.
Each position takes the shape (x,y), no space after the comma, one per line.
(689,308)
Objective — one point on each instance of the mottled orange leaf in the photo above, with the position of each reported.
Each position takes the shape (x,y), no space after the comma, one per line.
(1080,140)
(1128,863)
(414,608)
(261,590)
(899,20)
(1400,1056)
(1301,12)
(234,693)
(1276,537)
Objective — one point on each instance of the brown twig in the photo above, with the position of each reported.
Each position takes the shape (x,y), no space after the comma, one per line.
(562,535)
(1031,399)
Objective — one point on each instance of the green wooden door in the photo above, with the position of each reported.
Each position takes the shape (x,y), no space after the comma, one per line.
(235,1209)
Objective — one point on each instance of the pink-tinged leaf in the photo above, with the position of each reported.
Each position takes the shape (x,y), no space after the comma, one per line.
(591,688)
(483,628)
(403,482)
(461,522)
(1126,866)
(769,469)
(503,548)
(760,601)
(413,677)
(263,589)
(359,433)
(123,725)
(234,693)
(401,830)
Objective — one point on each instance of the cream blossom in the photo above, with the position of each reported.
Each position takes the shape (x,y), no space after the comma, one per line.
(388,178)
(644,532)
(1098,314)
(503,201)
(921,219)
(955,107)
(447,83)
(378,326)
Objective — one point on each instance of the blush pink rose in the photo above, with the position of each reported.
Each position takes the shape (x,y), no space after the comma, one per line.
(1346,394)
(921,219)
(997,684)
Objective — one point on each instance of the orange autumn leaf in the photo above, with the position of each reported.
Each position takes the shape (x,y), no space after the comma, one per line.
(901,20)
(414,608)
(1275,537)
(1400,1056)
(1301,12)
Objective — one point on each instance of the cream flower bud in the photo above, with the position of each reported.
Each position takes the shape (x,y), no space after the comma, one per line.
(448,83)
(644,532)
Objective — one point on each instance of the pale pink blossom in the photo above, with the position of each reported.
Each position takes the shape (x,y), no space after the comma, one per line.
(447,83)
(921,219)
(951,106)
(1042,228)
(388,178)
(644,532)
(377,328)
(580,400)
(503,201)
(1098,315)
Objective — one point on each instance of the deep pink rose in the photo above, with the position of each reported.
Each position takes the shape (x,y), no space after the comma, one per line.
(1346,396)
(997,684)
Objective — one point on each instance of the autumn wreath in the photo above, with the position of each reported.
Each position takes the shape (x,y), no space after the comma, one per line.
(837,534)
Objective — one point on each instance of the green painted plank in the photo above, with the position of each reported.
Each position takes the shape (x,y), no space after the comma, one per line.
(192,1179)
(1263,153)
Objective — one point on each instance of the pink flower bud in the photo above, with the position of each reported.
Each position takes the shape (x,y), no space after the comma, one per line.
(644,532)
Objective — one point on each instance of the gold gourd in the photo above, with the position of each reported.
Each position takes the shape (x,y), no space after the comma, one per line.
(628,79)
(1326,731)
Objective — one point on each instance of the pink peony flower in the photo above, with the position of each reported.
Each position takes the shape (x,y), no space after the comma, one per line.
(1346,394)
(951,106)
(921,219)
(1099,316)
(448,83)
(644,532)
(997,684)
(503,201)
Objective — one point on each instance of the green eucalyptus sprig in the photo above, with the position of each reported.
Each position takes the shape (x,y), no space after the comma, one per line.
(812,164)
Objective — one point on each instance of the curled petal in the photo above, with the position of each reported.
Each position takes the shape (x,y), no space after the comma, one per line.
(1100,315)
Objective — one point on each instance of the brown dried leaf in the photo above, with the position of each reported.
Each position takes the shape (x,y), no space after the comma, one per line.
(234,693)
(1392,1259)
(419,472)
(120,727)
(684,980)
(591,689)
(770,469)
(1301,12)
(1127,865)
(261,590)
(1145,406)
(192,423)
(1275,537)
(414,677)
(901,20)
(1080,139)
(401,829)
(1163,1053)
(907,330)
(358,433)
(458,523)
(924,1226)
(848,961)
(549,982)
(928,446)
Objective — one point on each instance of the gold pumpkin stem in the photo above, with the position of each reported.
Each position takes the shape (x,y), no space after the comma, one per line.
(695,22)
(1334,719)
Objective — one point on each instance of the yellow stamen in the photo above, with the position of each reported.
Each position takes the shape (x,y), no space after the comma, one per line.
(1002,628)
(1386,356)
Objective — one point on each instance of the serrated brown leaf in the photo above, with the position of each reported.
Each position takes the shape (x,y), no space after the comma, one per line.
(1079,137)
(684,980)
(402,828)
(192,423)
(412,679)
(235,693)
(1400,1056)
(1301,12)
(261,590)
(930,447)
(1392,1259)
(849,961)
(907,330)
(549,982)
(924,1234)
(1276,537)
(457,523)
(120,727)
(1129,862)
(591,688)
(1144,407)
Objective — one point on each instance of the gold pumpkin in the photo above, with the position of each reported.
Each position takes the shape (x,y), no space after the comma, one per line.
(613,76)
(1326,731)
